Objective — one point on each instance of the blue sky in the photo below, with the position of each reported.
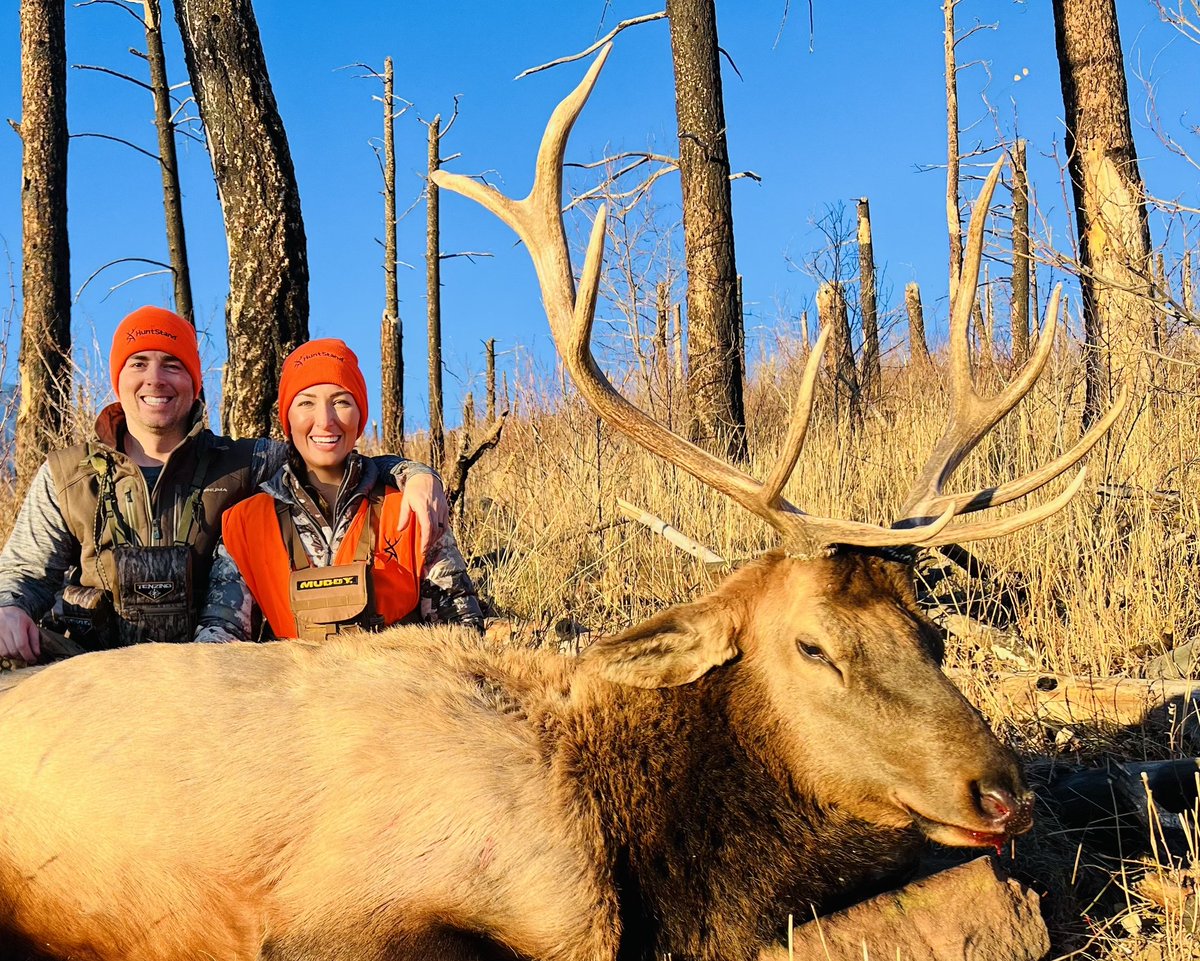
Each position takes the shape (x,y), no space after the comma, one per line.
(857,115)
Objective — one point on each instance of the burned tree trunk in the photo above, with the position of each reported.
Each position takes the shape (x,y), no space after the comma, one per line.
(831,308)
(168,160)
(871,380)
(715,375)
(391,334)
(433,293)
(953,214)
(917,345)
(266,315)
(1022,264)
(45,361)
(1110,199)
(490,378)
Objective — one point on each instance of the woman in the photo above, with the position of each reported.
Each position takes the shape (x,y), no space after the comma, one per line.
(316,550)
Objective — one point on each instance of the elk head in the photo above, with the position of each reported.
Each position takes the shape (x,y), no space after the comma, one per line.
(830,647)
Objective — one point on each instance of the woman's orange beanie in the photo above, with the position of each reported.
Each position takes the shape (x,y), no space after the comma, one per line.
(153,328)
(326,361)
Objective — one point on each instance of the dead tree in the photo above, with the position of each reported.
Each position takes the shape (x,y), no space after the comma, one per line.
(715,376)
(1022,264)
(953,213)
(831,309)
(433,293)
(490,347)
(871,375)
(164,121)
(45,361)
(391,332)
(266,315)
(471,450)
(167,123)
(662,338)
(917,345)
(1110,198)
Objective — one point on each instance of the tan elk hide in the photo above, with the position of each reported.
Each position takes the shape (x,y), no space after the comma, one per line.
(681,787)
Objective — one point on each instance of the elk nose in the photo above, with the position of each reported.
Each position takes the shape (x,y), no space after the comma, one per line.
(1000,806)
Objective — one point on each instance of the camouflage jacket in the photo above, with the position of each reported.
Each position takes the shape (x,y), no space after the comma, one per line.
(447,592)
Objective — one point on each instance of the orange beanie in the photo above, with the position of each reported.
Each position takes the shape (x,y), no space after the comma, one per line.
(153,328)
(326,361)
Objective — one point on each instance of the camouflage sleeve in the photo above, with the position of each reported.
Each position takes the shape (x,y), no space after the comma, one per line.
(40,548)
(399,468)
(447,591)
(228,605)
(269,455)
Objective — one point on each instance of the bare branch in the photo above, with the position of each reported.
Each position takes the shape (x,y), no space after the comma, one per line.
(648,18)
(450,123)
(166,268)
(469,254)
(115,3)
(113,73)
(725,53)
(103,136)
(967,34)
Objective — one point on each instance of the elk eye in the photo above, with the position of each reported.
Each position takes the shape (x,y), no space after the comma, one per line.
(811,650)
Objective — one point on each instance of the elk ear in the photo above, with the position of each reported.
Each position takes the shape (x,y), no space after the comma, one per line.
(674,647)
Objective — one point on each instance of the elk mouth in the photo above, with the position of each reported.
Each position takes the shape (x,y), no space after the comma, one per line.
(991,832)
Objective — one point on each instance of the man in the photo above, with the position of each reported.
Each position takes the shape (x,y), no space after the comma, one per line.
(132,517)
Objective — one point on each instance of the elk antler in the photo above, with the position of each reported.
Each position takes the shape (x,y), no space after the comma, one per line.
(537,219)
(538,222)
(972,416)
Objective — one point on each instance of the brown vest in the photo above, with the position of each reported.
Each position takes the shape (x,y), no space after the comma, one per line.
(153,516)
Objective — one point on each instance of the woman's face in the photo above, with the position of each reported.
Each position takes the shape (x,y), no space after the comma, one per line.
(324,421)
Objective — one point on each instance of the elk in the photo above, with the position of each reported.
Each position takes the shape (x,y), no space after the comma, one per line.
(778,746)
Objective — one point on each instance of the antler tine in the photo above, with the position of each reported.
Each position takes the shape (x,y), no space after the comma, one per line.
(798,429)
(977,500)
(537,219)
(999,526)
(972,416)
(962,429)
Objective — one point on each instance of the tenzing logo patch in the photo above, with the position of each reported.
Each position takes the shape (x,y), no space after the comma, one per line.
(154,590)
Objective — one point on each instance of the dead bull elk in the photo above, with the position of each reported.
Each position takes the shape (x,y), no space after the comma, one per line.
(679,788)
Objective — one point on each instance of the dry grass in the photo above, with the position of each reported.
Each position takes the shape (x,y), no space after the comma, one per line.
(1104,585)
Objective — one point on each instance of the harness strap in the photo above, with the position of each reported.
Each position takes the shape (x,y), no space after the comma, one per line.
(117,526)
(187,516)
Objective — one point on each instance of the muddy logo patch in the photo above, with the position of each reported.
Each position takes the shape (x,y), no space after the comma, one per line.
(154,590)
(316,583)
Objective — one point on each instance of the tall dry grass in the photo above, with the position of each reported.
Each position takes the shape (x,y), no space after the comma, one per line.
(1109,579)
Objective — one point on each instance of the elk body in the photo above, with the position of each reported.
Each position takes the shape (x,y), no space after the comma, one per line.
(680,788)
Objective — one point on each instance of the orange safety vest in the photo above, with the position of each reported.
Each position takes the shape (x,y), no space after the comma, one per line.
(252,537)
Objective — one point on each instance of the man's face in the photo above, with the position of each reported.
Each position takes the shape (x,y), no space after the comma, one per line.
(156,392)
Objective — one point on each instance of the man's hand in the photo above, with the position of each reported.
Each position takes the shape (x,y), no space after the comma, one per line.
(19,635)
(425,499)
